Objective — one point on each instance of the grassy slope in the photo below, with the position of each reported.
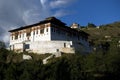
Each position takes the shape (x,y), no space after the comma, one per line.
(99,34)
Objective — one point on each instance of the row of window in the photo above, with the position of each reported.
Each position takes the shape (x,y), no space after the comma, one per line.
(65,33)
(37,32)
(58,31)
(29,33)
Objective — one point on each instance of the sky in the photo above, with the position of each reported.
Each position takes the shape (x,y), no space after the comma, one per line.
(17,13)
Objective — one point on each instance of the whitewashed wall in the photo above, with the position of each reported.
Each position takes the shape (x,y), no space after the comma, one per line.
(51,41)
(49,46)
(41,37)
(42,47)
(46,36)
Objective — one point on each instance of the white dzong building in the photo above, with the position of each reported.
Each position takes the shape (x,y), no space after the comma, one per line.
(48,36)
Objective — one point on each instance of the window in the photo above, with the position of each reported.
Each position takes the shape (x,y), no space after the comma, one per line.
(28,34)
(52,29)
(16,36)
(12,37)
(57,50)
(68,34)
(28,38)
(64,45)
(27,46)
(41,31)
(20,35)
(33,32)
(46,29)
(36,31)
(28,31)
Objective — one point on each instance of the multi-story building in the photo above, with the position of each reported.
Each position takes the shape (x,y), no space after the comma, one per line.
(48,36)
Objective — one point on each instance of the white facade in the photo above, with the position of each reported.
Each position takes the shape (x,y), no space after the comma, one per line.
(48,37)
(34,36)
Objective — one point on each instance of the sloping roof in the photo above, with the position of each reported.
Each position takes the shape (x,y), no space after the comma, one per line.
(54,21)
(47,20)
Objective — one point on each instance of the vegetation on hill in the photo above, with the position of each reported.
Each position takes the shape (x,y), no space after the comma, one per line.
(112,30)
(2,44)
(94,66)
(109,33)
(103,63)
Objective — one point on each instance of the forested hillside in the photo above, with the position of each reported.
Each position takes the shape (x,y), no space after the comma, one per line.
(94,66)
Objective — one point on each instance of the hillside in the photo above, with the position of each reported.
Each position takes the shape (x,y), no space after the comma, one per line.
(68,67)
(104,32)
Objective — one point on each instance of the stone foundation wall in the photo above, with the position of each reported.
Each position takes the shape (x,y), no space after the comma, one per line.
(42,47)
(50,46)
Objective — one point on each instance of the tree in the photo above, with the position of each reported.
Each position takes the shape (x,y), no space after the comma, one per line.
(2,44)
(91,25)
(11,72)
(2,70)
(105,47)
(3,54)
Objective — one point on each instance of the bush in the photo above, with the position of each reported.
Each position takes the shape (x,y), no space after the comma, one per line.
(94,66)
(3,54)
